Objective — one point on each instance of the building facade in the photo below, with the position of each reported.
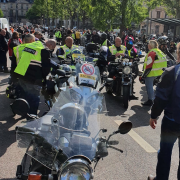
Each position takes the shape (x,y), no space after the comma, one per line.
(15,10)
(154,27)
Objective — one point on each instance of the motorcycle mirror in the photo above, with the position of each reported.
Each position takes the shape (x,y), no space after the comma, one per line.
(125,127)
(109,81)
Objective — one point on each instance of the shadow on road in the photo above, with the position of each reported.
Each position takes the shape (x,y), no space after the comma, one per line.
(114,105)
(141,116)
(7,136)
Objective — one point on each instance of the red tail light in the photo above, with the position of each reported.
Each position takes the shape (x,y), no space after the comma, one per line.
(34,176)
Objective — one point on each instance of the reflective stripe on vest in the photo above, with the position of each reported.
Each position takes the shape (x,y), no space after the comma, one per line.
(18,51)
(129,53)
(31,55)
(104,43)
(158,65)
(113,49)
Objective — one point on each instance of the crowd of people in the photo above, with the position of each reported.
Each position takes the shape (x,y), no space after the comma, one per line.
(31,63)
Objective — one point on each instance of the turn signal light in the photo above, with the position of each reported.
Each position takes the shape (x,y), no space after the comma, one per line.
(34,176)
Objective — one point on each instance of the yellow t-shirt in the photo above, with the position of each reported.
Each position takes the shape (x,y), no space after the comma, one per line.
(78,35)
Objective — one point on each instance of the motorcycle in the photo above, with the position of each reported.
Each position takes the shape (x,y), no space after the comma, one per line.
(21,107)
(66,143)
(122,84)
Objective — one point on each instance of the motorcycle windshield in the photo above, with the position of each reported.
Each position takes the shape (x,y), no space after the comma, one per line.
(69,129)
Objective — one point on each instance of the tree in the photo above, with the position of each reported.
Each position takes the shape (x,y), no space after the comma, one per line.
(1,13)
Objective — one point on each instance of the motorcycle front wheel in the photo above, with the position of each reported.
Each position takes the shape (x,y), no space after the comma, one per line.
(126,92)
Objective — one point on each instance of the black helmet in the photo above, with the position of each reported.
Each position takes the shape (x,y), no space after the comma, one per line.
(129,41)
(162,40)
(103,36)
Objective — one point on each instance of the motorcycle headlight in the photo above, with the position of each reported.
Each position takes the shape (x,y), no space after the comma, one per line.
(92,99)
(127,70)
(76,169)
(75,96)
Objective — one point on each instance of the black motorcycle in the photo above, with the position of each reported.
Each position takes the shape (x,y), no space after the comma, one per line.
(21,107)
(122,84)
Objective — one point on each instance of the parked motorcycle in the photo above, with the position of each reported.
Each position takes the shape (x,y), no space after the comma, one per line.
(21,107)
(122,84)
(66,144)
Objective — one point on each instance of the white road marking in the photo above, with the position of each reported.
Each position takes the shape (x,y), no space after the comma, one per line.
(147,147)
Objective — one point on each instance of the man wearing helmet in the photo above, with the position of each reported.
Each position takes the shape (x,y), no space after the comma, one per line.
(104,40)
(162,41)
(131,51)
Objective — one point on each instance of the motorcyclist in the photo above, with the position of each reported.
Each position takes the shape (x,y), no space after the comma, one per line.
(95,38)
(163,47)
(131,51)
(154,62)
(130,34)
(104,40)
(172,47)
(33,67)
(63,51)
(116,50)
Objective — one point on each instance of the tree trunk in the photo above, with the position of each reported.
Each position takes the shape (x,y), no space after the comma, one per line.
(123,18)
(178,17)
(84,19)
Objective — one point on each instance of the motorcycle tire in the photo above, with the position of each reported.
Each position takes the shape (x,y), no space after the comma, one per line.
(136,71)
(108,90)
(126,92)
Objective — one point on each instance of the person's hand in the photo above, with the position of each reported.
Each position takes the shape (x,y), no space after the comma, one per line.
(122,54)
(153,123)
(118,54)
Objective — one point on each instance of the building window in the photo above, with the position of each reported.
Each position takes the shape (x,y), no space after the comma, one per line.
(166,16)
(158,14)
(21,6)
(157,29)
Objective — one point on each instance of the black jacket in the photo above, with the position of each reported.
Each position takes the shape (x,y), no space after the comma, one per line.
(3,44)
(95,38)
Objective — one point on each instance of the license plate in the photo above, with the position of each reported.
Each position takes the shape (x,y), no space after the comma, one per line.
(87,76)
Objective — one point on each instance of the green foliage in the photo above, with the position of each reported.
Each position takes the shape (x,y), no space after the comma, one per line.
(172,7)
(103,13)
(1,13)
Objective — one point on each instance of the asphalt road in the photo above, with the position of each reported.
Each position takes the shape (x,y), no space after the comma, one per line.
(140,146)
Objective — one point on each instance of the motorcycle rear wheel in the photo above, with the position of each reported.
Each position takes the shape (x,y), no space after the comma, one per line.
(126,92)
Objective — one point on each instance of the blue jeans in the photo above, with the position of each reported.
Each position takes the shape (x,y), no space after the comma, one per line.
(170,132)
(31,93)
(149,87)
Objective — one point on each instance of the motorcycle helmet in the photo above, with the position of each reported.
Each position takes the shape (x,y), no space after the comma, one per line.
(162,41)
(103,36)
(72,116)
(129,43)
(66,68)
